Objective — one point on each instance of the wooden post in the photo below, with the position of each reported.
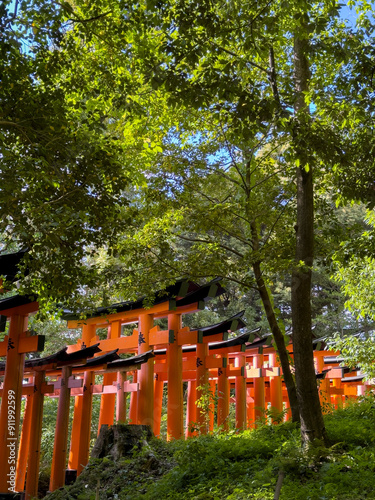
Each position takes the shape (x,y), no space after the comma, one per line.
(175,418)
(85,430)
(145,410)
(276,388)
(121,399)
(24,445)
(202,385)
(88,332)
(76,428)
(259,390)
(337,398)
(11,405)
(191,409)
(250,417)
(133,402)
(212,384)
(32,478)
(108,401)
(350,391)
(324,384)
(223,397)
(240,385)
(158,404)
(61,433)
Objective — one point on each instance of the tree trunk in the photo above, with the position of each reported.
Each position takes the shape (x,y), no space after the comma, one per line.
(118,441)
(312,425)
(276,331)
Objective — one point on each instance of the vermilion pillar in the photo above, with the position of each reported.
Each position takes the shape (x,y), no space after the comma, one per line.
(324,384)
(133,402)
(337,398)
(145,410)
(276,388)
(350,391)
(76,428)
(121,399)
(24,445)
(11,405)
(240,385)
(250,417)
(61,433)
(191,409)
(85,430)
(32,477)
(259,390)
(88,333)
(158,404)
(212,384)
(223,397)
(174,370)
(202,386)
(108,401)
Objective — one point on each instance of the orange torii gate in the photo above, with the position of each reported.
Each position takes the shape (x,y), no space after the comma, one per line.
(189,298)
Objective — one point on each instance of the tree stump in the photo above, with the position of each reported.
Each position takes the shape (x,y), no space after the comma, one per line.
(117,441)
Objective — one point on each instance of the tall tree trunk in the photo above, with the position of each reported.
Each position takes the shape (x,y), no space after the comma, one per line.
(275,329)
(312,425)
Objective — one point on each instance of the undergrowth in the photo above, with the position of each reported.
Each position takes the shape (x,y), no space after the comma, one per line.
(244,466)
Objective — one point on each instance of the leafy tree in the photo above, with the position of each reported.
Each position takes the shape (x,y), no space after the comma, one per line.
(63,172)
(250,72)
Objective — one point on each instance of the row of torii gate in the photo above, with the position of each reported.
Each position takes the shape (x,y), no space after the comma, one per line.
(243,370)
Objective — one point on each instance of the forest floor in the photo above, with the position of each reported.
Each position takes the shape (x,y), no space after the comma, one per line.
(243,466)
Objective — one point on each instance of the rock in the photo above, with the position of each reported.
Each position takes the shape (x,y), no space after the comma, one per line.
(117,441)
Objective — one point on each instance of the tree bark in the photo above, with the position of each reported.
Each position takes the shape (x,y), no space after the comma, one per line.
(312,425)
(276,331)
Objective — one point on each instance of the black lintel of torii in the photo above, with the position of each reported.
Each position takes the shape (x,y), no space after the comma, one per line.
(61,358)
(58,359)
(15,301)
(332,360)
(231,324)
(103,359)
(261,342)
(322,375)
(61,355)
(113,362)
(357,378)
(240,340)
(11,303)
(9,263)
(70,358)
(202,294)
(182,293)
(122,364)
(181,288)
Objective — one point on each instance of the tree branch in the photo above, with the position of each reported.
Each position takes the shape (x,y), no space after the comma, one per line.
(95,18)
(198,240)
(272,76)
(233,54)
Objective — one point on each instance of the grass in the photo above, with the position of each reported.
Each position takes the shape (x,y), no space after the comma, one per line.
(244,466)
